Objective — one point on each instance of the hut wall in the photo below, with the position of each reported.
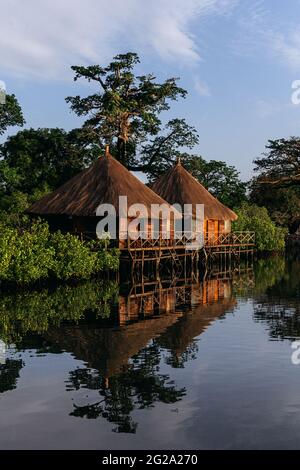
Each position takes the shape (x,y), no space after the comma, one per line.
(227,227)
(214,228)
(150,228)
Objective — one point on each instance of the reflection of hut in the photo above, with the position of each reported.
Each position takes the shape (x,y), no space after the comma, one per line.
(109,349)
(178,186)
(160,300)
(72,207)
(181,335)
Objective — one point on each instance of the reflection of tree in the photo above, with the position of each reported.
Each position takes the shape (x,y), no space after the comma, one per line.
(283,320)
(35,311)
(279,307)
(138,386)
(9,373)
(268,272)
(178,360)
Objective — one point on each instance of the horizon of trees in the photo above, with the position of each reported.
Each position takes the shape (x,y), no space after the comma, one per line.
(126,113)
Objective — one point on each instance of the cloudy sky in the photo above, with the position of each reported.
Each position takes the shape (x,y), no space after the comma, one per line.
(237,59)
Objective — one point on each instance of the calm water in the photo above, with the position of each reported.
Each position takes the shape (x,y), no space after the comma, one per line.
(95,367)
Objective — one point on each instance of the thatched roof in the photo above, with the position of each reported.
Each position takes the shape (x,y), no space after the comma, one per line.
(177,185)
(101,183)
(109,349)
(181,334)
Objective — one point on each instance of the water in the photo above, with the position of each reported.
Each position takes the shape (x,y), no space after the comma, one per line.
(92,367)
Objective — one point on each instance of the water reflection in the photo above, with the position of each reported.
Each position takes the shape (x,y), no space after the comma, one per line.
(277,305)
(122,338)
(9,374)
(126,341)
(27,312)
(138,386)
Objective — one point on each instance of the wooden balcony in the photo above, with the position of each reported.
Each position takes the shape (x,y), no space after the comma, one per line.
(193,241)
(230,239)
(190,241)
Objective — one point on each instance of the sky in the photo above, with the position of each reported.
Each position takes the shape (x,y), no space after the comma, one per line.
(237,59)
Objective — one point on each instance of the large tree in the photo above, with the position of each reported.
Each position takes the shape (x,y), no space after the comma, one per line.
(277,184)
(221,179)
(280,165)
(10,113)
(125,112)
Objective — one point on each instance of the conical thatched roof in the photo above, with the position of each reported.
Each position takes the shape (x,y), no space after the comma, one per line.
(178,186)
(101,183)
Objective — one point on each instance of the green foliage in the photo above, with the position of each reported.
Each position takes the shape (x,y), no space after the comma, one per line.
(276,185)
(124,112)
(268,236)
(281,162)
(283,204)
(41,160)
(161,151)
(106,259)
(37,311)
(72,257)
(12,210)
(10,113)
(222,180)
(268,272)
(34,254)
(7,243)
(27,256)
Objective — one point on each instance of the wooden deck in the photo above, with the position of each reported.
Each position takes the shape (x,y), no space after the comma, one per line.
(159,247)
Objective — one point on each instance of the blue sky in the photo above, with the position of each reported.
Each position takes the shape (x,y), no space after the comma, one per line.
(236,58)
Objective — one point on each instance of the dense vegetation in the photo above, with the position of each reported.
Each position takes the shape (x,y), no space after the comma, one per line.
(35,254)
(126,112)
(36,311)
(129,112)
(276,185)
(269,237)
(10,113)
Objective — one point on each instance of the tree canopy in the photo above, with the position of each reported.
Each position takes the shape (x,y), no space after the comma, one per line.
(280,165)
(125,112)
(221,179)
(129,111)
(277,184)
(43,159)
(10,113)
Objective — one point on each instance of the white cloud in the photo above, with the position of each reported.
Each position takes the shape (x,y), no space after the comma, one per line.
(261,29)
(286,46)
(201,87)
(43,38)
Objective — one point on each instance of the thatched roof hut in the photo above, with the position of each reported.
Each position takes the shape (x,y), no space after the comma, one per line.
(177,185)
(72,207)
(101,183)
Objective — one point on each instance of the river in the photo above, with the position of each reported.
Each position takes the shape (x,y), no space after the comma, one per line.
(162,364)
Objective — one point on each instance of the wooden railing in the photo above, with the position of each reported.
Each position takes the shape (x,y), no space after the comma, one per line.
(233,238)
(160,240)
